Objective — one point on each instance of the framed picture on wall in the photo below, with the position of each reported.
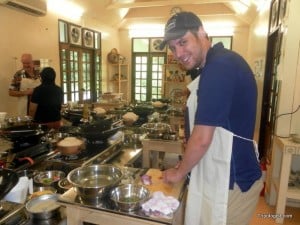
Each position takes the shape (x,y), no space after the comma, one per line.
(75,34)
(88,38)
(274,15)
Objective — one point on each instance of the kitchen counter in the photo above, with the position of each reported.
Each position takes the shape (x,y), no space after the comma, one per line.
(107,213)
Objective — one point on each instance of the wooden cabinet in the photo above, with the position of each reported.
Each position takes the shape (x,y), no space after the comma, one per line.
(174,83)
(118,75)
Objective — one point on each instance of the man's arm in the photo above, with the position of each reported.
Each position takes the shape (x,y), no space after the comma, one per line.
(16,93)
(196,147)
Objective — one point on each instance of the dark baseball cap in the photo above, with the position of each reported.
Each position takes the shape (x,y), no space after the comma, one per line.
(178,25)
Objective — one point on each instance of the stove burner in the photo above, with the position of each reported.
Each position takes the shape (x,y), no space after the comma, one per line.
(95,142)
(70,157)
(12,213)
(97,155)
(90,151)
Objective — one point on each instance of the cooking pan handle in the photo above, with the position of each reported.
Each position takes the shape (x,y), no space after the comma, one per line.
(110,130)
(117,123)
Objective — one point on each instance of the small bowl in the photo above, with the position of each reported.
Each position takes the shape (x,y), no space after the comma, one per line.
(64,184)
(129,197)
(48,178)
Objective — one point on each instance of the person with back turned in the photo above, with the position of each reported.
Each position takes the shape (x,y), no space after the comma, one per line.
(220,155)
(46,100)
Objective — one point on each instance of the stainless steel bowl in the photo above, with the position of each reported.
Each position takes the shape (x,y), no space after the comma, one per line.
(129,197)
(42,190)
(64,184)
(49,178)
(43,207)
(95,181)
(46,189)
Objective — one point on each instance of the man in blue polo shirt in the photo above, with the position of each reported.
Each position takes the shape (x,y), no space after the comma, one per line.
(225,178)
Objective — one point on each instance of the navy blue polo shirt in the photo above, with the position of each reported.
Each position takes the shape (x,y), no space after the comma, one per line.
(227,98)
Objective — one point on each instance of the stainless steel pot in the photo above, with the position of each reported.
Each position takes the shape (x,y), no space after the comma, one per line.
(95,181)
(70,146)
(43,207)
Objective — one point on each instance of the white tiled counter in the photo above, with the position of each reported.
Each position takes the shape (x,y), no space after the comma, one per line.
(284,149)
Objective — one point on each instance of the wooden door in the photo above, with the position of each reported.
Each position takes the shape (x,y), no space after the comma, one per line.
(270,96)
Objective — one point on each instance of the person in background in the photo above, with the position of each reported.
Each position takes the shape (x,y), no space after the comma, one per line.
(23,82)
(46,101)
(220,154)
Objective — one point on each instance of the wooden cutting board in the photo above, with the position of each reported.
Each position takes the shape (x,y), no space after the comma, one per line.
(158,184)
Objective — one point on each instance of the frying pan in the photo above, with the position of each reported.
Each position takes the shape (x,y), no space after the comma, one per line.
(94,132)
(22,131)
(8,179)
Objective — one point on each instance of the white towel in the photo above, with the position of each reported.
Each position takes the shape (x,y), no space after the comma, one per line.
(161,204)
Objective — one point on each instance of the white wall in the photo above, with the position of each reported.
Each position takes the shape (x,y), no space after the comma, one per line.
(23,33)
(289,72)
(256,57)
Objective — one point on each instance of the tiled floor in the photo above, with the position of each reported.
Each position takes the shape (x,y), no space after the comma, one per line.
(264,212)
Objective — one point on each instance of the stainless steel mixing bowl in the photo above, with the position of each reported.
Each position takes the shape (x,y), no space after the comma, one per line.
(129,197)
(95,181)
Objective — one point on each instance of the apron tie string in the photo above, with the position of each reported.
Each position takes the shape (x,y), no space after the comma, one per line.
(254,144)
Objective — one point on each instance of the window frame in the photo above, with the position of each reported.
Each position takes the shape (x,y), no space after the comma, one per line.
(89,72)
(149,55)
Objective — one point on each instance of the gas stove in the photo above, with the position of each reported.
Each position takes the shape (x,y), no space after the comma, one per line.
(25,158)
(96,154)
(12,213)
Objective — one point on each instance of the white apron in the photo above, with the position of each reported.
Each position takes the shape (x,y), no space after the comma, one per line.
(209,183)
(26,83)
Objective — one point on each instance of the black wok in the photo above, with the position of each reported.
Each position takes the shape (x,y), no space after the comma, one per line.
(73,115)
(143,110)
(8,179)
(98,131)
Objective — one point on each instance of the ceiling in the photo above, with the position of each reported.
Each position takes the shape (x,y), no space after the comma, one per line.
(123,13)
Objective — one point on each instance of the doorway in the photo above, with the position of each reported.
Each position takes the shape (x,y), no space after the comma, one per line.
(270,96)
